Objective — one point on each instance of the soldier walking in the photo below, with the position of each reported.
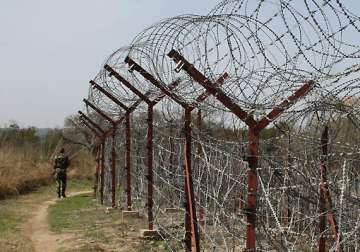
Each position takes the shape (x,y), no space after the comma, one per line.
(60,165)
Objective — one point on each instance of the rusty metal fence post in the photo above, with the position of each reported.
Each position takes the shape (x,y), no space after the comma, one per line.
(150,161)
(255,127)
(113,168)
(149,141)
(191,234)
(190,216)
(250,210)
(95,128)
(113,159)
(190,204)
(199,119)
(98,154)
(128,159)
(325,204)
(171,155)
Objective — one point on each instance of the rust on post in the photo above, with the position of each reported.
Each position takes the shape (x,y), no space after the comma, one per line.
(166,90)
(98,153)
(113,144)
(150,161)
(126,83)
(171,155)
(113,169)
(92,129)
(150,175)
(254,132)
(302,91)
(212,88)
(191,233)
(199,155)
(189,183)
(97,172)
(108,94)
(113,159)
(188,234)
(99,111)
(102,171)
(326,207)
(191,236)
(93,124)
(252,189)
(130,109)
(128,160)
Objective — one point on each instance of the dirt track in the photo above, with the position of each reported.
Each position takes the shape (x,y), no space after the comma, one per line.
(41,236)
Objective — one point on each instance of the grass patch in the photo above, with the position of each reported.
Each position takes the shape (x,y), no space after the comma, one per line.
(79,185)
(14,213)
(97,229)
(8,223)
(16,210)
(70,212)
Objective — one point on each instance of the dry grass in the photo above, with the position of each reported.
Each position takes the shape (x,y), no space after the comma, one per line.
(24,169)
(21,170)
(82,166)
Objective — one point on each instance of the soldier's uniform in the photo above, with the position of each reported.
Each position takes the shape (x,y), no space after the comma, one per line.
(60,166)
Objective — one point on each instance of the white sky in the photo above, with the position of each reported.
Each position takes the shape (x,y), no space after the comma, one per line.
(49,50)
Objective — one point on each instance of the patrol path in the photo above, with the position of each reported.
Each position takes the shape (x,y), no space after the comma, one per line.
(41,236)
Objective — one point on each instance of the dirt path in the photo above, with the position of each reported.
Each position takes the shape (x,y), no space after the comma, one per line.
(41,236)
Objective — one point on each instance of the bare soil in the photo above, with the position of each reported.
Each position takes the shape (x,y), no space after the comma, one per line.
(41,236)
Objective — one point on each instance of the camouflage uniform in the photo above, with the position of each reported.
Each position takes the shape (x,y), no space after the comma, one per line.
(61,164)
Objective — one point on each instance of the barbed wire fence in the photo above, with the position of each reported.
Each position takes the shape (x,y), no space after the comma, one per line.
(238,129)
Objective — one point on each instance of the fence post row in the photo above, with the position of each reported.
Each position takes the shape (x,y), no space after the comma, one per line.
(255,128)
(191,233)
(113,152)
(98,152)
(128,111)
(149,142)
(111,132)
(113,156)
(91,123)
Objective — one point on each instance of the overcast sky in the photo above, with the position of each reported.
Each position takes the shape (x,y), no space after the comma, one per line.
(49,50)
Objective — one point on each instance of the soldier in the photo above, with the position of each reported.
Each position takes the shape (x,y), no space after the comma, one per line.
(60,165)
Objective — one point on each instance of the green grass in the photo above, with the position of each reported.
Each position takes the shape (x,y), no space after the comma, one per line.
(8,223)
(16,210)
(70,212)
(80,213)
(98,229)
(79,185)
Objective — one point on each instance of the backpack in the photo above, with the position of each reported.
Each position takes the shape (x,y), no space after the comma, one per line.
(61,162)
